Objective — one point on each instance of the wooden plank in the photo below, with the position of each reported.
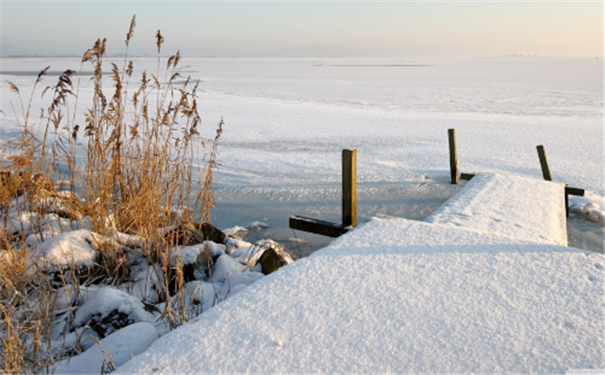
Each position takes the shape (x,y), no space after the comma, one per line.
(324,228)
(544,163)
(466,176)
(349,188)
(451,133)
(574,191)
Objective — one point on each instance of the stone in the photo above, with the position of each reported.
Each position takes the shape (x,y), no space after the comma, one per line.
(271,261)
(101,311)
(211,233)
(188,234)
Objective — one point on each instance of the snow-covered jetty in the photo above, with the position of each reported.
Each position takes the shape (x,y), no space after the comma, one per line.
(485,285)
(513,206)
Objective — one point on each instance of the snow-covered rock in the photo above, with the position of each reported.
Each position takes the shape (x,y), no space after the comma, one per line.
(251,254)
(75,248)
(121,346)
(97,311)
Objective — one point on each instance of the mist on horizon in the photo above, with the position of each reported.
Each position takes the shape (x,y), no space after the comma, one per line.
(268,29)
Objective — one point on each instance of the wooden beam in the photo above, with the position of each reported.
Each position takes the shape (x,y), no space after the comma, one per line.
(451,135)
(466,176)
(324,228)
(544,163)
(571,191)
(349,188)
(574,191)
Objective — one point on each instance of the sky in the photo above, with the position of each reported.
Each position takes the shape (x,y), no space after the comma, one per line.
(306,29)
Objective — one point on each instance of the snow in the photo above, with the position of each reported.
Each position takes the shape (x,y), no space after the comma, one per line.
(286,120)
(73,248)
(103,301)
(121,346)
(493,292)
(190,254)
(515,206)
(454,294)
(226,266)
(396,295)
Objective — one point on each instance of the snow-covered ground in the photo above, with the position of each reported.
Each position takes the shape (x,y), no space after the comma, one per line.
(494,303)
(405,296)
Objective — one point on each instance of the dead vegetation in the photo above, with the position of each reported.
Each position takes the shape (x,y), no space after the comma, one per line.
(127,162)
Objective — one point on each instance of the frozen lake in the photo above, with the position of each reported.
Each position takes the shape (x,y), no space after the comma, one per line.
(287,120)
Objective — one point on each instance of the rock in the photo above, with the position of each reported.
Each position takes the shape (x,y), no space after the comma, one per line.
(270,261)
(184,234)
(211,233)
(122,345)
(251,255)
(226,266)
(108,309)
(100,311)
(70,249)
(187,234)
(195,261)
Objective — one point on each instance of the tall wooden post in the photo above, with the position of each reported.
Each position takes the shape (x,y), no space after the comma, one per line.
(544,163)
(451,133)
(349,188)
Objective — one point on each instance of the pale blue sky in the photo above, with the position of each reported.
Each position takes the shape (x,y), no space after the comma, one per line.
(310,29)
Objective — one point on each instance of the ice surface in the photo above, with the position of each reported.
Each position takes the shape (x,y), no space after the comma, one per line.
(286,121)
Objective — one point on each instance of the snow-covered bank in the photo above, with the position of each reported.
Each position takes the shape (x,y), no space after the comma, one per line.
(395,295)
(403,296)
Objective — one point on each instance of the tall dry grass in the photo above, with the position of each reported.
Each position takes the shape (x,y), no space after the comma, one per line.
(131,164)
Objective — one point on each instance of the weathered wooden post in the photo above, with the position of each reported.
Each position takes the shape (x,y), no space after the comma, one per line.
(544,163)
(548,177)
(453,156)
(349,203)
(349,188)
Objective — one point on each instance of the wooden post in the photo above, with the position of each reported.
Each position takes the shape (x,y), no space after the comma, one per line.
(566,202)
(544,163)
(453,156)
(571,191)
(349,188)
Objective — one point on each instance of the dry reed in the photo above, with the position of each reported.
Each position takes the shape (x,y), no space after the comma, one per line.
(132,166)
